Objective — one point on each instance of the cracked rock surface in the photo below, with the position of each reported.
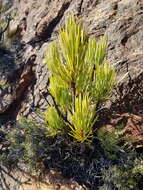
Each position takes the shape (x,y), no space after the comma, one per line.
(36,25)
(24,73)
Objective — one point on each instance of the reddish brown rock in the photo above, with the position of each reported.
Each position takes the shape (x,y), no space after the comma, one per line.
(38,23)
(132,127)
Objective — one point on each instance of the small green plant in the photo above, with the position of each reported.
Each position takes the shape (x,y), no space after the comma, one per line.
(125,175)
(111,142)
(2,83)
(81,80)
(27,143)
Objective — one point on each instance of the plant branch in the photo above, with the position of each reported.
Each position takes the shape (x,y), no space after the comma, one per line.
(57,108)
(6,27)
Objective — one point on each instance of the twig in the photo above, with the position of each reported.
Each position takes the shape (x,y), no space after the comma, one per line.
(4,30)
(57,108)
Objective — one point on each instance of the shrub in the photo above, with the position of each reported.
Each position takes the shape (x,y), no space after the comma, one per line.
(110,142)
(125,175)
(81,80)
(29,147)
(27,143)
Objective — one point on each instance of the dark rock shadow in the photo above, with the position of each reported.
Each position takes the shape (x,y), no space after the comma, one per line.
(128,99)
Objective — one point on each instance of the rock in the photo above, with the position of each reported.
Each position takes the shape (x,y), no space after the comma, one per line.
(7,68)
(120,20)
(21,180)
(7,3)
(13,28)
(133,127)
(24,73)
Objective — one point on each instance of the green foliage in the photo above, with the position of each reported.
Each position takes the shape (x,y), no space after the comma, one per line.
(111,141)
(61,94)
(26,145)
(29,146)
(83,118)
(104,82)
(125,175)
(138,167)
(81,80)
(2,83)
(55,123)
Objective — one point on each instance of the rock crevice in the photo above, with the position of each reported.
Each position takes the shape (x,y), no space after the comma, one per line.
(37,24)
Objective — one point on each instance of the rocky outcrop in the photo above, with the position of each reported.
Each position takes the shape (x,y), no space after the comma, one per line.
(20,180)
(36,25)
(24,73)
